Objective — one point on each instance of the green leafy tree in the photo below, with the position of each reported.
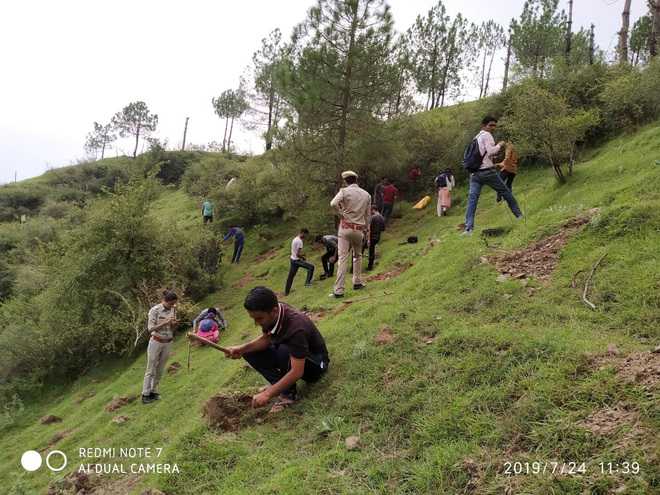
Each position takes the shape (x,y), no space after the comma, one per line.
(490,38)
(537,37)
(267,100)
(543,124)
(100,138)
(230,105)
(338,80)
(639,40)
(441,48)
(135,119)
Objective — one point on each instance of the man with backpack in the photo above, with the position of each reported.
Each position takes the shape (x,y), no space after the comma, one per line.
(477,160)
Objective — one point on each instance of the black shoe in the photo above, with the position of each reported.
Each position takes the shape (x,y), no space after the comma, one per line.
(323,276)
(147,399)
(358,286)
(155,396)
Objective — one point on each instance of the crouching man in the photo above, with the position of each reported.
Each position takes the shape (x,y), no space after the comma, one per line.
(289,349)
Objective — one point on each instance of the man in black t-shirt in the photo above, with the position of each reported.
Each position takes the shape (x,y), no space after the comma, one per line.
(290,347)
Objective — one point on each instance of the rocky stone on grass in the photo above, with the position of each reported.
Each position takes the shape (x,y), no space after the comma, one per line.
(50,419)
(120,419)
(118,402)
(352,443)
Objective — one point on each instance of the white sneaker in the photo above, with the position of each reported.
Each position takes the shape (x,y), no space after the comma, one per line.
(466,233)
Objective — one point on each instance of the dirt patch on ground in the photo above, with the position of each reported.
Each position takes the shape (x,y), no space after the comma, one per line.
(399,268)
(231,412)
(174,367)
(50,419)
(243,281)
(641,368)
(119,402)
(539,259)
(608,420)
(55,439)
(266,256)
(85,396)
(316,314)
(78,483)
(385,336)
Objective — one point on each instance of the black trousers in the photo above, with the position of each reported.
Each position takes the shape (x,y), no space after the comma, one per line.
(387,210)
(507,178)
(329,268)
(372,253)
(293,269)
(238,249)
(275,362)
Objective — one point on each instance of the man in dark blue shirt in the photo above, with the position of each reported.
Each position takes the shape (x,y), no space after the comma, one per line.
(239,238)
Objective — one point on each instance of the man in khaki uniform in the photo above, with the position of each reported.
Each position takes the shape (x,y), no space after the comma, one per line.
(354,206)
(161,323)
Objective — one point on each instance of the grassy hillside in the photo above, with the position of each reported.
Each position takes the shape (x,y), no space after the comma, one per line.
(482,370)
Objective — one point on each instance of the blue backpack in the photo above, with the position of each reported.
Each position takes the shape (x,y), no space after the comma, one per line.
(472,158)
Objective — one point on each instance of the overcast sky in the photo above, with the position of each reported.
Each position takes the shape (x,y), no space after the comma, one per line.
(68,63)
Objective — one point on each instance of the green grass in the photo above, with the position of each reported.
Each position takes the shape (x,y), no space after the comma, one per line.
(507,377)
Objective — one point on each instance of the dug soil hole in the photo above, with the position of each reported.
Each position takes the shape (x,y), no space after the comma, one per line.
(231,412)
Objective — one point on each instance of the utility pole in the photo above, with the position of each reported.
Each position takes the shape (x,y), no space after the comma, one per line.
(185,131)
(508,61)
(15,176)
(623,34)
(569,32)
(591,44)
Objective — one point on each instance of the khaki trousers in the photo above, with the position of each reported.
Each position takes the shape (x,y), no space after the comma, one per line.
(349,240)
(157,354)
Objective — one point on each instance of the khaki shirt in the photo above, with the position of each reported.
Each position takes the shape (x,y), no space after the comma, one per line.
(510,162)
(354,204)
(157,315)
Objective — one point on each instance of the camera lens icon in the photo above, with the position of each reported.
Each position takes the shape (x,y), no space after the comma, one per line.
(31,460)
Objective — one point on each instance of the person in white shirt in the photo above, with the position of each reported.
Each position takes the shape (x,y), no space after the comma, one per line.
(298,261)
(487,174)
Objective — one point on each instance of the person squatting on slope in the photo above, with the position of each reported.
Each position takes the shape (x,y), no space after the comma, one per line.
(444,183)
(508,168)
(289,349)
(161,323)
(354,207)
(209,323)
(239,239)
(329,258)
(487,174)
(376,227)
(297,260)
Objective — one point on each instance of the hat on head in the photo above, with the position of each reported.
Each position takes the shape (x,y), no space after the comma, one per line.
(348,173)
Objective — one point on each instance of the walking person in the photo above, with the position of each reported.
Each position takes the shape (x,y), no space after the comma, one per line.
(508,168)
(207,211)
(161,323)
(378,196)
(390,194)
(376,227)
(444,183)
(239,239)
(354,206)
(297,260)
(289,349)
(329,258)
(487,174)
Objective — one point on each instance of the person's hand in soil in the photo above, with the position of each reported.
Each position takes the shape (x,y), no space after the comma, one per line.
(261,399)
(234,352)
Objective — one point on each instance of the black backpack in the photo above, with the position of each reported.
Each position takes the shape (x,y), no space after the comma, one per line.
(472,158)
(441,180)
